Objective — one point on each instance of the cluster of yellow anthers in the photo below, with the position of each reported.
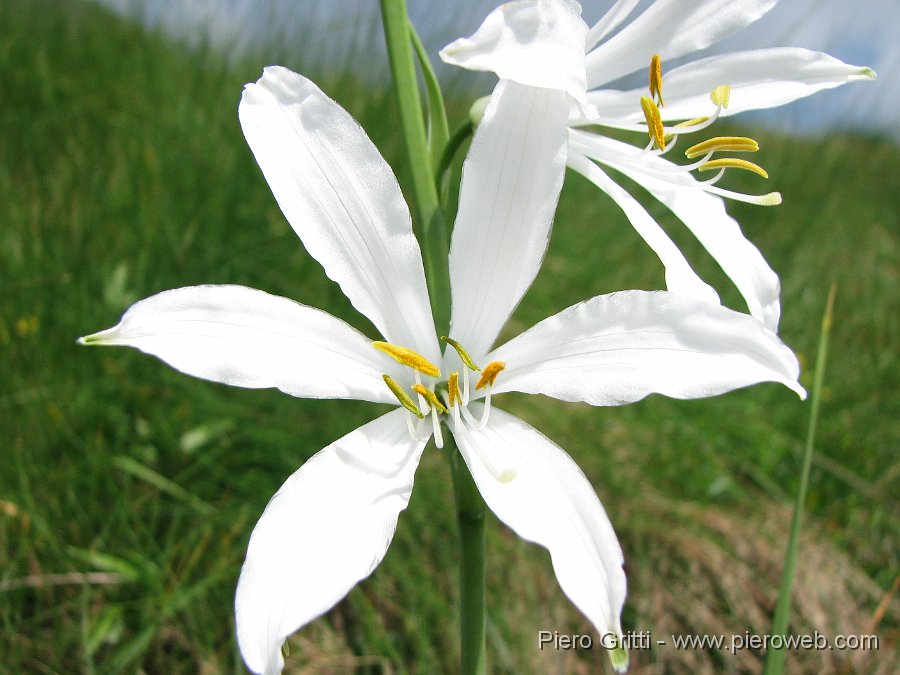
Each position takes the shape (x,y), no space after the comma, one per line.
(455,401)
(663,139)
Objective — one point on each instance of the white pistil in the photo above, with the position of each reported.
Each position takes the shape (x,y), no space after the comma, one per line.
(768,199)
(485,413)
(465,392)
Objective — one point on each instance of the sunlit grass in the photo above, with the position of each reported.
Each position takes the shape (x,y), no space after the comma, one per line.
(123,172)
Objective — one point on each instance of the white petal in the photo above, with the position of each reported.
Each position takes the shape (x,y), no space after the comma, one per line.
(670,28)
(325,529)
(613,18)
(342,199)
(247,338)
(551,503)
(680,277)
(704,215)
(535,42)
(618,348)
(763,78)
(510,185)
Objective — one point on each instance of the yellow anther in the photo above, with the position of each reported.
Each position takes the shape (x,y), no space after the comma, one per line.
(722,143)
(489,374)
(721,94)
(654,122)
(453,389)
(694,122)
(408,358)
(430,397)
(404,398)
(734,163)
(463,354)
(656,79)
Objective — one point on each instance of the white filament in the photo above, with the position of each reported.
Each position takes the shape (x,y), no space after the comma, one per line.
(436,425)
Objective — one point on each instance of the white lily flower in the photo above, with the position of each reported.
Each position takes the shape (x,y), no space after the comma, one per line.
(331,522)
(523,40)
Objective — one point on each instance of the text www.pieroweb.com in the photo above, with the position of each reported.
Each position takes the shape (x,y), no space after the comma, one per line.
(643,639)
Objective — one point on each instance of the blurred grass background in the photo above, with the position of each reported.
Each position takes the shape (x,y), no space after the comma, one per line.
(128,491)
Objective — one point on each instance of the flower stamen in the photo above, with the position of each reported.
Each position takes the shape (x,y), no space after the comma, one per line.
(656,79)
(453,389)
(489,374)
(431,397)
(454,409)
(721,95)
(408,358)
(722,144)
(655,127)
(728,144)
(463,354)
(688,124)
(733,163)
(404,398)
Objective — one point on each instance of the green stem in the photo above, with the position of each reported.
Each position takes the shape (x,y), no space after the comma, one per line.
(470,511)
(432,235)
(432,228)
(775,657)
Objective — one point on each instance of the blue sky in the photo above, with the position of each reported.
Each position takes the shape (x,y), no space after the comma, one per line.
(862,33)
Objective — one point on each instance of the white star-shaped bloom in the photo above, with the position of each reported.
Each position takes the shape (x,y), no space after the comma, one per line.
(331,522)
(545,43)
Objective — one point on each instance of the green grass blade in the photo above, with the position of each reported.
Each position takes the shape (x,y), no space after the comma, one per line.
(161,483)
(775,657)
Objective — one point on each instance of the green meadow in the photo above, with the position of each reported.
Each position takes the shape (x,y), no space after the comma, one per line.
(128,491)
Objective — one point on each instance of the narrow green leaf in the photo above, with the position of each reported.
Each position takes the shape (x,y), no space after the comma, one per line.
(462,133)
(128,570)
(106,629)
(775,657)
(161,483)
(125,657)
(438,130)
